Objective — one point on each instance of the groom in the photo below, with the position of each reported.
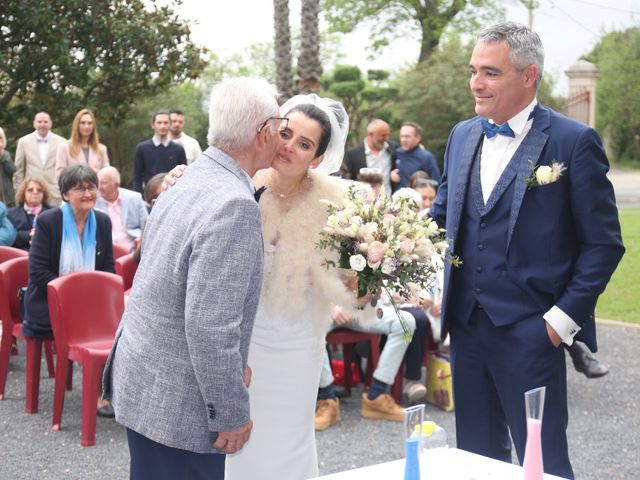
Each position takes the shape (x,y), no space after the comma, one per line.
(537,250)
(176,374)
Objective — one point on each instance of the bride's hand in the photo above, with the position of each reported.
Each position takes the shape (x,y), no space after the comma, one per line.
(170,178)
(339,316)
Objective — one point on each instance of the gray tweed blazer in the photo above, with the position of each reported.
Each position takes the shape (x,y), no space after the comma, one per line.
(175,373)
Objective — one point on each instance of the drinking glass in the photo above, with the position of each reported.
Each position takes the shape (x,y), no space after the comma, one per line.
(534,406)
(413,417)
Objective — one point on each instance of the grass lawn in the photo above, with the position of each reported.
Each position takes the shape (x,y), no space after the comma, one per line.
(621,299)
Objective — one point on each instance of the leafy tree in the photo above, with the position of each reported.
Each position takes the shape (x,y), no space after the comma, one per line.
(427,19)
(617,57)
(363,99)
(436,94)
(105,54)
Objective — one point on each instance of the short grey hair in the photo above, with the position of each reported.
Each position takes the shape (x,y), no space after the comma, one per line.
(3,137)
(237,108)
(525,44)
(77,174)
(111,172)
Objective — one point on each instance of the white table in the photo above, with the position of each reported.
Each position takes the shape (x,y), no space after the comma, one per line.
(440,463)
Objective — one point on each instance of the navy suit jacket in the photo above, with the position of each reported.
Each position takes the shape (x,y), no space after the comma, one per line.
(563,238)
(44,265)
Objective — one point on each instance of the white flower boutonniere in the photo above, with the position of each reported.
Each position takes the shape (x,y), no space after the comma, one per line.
(544,174)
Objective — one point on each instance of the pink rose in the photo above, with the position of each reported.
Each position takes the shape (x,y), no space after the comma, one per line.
(375,252)
(407,245)
(367,230)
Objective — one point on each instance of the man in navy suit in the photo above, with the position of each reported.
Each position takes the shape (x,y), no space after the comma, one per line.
(536,253)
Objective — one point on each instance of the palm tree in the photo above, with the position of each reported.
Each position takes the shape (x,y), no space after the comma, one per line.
(309,67)
(282,47)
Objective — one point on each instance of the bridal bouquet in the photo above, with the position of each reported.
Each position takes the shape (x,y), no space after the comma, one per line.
(388,244)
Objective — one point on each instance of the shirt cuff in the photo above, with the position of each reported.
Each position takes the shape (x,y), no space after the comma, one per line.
(562,323)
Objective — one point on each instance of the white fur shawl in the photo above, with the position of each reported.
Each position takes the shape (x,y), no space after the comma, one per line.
(296,286)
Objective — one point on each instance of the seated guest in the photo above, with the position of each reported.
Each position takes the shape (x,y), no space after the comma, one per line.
(126,209)
(7,231)
(72,238)
(152,189)
(7,169)
(84,146)
(32,198)
(377,403)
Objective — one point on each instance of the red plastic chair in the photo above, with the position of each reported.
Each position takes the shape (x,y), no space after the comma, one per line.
(85,309)
(120,250)
(14,274)
(7,253)
(126,267)
(348,338)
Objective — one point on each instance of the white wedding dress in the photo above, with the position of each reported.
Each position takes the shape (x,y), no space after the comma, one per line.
(285,356)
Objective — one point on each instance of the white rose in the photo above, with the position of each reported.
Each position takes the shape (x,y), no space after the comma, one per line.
(357,262)
(332,221)
(387,267)
(544,174)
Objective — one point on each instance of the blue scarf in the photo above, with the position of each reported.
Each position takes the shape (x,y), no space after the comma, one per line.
(75,257)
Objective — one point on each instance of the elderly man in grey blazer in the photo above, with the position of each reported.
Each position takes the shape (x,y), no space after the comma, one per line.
(177,375)
(36,156)
(126,208)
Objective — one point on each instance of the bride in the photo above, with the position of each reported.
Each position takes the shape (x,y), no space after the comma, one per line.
(298,293)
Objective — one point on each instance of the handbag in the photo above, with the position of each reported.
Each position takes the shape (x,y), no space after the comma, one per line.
(439,387)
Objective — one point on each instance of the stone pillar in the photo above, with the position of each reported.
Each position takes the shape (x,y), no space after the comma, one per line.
(581,103)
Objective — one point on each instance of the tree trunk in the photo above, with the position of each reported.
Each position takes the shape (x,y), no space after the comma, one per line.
(282,48)
(309,67)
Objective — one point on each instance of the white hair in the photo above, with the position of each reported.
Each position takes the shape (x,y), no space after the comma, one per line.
(112,172)
(237,108)
(3,137)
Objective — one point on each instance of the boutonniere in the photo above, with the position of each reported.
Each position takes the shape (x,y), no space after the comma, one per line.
(544,174)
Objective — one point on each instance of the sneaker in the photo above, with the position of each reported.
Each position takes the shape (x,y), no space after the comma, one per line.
(382,408)
(414,391)
(327,413)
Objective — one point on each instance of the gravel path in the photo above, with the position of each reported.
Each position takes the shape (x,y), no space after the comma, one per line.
(603,429)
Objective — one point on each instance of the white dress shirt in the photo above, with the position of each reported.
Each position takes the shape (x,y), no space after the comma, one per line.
(43,147)
(381,161)
(494,158)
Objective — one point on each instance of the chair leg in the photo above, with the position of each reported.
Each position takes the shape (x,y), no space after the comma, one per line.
(372,361)
(70,377)
(91,374)
(5,354)
(62,365)
(32,390)
(347,358)
(48,353)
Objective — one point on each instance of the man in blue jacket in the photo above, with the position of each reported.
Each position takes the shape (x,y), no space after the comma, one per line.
(530,211)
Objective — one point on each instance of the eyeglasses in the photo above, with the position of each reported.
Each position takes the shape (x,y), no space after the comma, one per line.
(34,190)
(83,189)
(284,122)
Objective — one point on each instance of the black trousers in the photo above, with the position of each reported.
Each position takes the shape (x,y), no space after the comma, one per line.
(153,461)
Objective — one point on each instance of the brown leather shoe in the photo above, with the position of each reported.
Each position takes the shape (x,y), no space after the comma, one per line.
(327,413)
(382,408)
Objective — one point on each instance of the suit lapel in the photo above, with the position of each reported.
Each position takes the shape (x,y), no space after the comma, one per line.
(462,173)
(527,154)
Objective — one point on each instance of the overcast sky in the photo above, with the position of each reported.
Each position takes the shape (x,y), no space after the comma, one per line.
(568,29)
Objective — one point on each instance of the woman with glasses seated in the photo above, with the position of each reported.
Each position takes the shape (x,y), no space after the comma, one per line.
(72,238)
(32,198)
